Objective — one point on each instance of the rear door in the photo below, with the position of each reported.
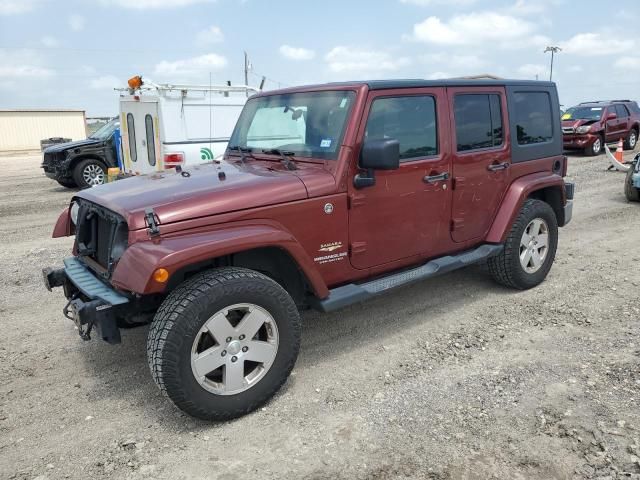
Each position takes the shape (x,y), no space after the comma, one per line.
(623,117)
(481,159)
(612,126)
(406,212)
(140,135)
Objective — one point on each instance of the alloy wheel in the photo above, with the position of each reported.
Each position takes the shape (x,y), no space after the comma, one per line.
(234,349)
(597,146)
(534,245)
(93,174)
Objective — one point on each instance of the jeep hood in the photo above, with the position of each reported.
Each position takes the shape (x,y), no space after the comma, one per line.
(61,147)
(198,191)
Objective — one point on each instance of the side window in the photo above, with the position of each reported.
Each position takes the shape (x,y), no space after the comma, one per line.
(131,131)
(411,120)
(622,111)
(151,146)
(533,119)
(478,121)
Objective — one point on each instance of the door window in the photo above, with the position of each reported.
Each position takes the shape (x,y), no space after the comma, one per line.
(533,119)
(411,120)
(621,111)
(151,146)
(131,132)
(478,121)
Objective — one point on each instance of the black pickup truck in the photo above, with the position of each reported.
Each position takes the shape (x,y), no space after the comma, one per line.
(83,163)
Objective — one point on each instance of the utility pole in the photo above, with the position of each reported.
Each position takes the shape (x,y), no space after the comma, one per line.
(553,50)
(246,70)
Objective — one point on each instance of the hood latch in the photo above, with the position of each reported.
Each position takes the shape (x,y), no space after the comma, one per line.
(152,222)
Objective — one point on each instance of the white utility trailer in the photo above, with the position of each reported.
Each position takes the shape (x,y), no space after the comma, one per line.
(164,125)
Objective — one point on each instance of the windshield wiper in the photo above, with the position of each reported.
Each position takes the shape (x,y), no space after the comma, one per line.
(285,157)
(243,152)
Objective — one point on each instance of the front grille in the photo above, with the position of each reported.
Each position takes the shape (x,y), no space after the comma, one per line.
(568,130)
(101,236)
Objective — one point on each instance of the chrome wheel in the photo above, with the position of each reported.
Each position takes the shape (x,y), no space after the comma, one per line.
(632,139)
(93,174)
(597,146)
(534,245)
(234,349)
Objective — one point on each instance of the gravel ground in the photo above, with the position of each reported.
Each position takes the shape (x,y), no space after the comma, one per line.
(450,378)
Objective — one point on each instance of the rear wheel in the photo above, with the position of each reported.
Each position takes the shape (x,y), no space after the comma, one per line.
(631,140)
(224,342)
(595,148)
(631,192)
(530,247)
(89,173)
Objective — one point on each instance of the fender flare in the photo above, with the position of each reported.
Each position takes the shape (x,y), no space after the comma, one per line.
(62,227)
(515,197)
(134,271)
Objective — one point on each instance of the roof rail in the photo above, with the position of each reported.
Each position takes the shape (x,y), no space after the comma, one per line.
(621,100)
(594,101)
(150,85)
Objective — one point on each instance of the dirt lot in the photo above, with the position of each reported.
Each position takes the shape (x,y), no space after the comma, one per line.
(451,378)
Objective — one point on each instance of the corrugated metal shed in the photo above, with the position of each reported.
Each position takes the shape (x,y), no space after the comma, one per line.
(22,129)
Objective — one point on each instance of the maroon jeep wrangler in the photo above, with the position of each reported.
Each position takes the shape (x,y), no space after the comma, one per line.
(327,196)
(589,125)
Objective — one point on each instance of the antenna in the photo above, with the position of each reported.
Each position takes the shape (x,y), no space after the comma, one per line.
(210,114)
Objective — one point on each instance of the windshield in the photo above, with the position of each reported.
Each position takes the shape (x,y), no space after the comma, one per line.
(105,131)
(309,124)
(583,113)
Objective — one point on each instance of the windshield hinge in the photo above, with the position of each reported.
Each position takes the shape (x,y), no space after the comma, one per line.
(152,222)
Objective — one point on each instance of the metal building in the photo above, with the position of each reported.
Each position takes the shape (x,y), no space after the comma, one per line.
(22,129)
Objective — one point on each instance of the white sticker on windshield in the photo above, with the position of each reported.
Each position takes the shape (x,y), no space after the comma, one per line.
(325,143)
(596,108)
(343,102)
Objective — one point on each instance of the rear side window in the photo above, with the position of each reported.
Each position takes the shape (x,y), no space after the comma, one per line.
(533,119)
(622,111)
(131,132)
(151,146)
(411,120)
(478,120)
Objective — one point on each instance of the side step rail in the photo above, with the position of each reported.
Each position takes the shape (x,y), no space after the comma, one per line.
(353,293)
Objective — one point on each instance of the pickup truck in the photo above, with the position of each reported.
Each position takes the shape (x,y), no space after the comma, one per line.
(327,196)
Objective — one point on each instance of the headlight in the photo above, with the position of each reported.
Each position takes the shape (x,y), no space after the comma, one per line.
(73,212)
(583,129)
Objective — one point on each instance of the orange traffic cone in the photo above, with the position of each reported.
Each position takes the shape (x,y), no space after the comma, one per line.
(619,152)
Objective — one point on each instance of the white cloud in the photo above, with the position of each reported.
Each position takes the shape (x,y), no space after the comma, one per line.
(457,62)
(438,75)
(429,3)
(530,70)
(472,29)
(49,41)
(12,7)
(210,35)
(628,63)
(593,44)
(23,64)
(190,66)
(343,59)
(296,53)
(106,82)
(575,69)
(76,22)
(154,4)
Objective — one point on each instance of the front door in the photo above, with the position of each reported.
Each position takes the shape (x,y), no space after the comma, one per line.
(481,159)
(406,212)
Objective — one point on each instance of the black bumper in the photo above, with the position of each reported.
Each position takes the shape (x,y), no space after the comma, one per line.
(92,303)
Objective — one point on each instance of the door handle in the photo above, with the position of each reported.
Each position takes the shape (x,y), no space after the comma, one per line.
(436,178)
(496,167)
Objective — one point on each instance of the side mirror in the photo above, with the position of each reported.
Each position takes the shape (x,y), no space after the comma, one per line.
(381,154)
(611,116)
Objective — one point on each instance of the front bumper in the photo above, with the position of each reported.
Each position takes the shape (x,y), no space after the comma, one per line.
(92,303)
(576,140)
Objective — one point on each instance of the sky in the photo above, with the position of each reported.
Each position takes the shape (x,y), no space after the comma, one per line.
(72,53)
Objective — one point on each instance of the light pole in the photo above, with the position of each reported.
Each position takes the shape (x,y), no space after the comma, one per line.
(553,51)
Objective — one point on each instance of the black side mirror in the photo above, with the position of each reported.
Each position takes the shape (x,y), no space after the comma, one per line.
(381,154)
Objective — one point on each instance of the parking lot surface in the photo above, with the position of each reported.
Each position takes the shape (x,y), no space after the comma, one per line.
(451,378)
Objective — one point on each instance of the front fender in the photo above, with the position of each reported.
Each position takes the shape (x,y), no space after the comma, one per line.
(135,268)
(63,225)
(515,197)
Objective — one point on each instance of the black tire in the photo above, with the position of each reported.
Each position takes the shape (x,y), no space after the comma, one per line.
(595,148)
(78,171)
(632,140)
(506,267)
(182,315)
(631,192)
(67,183)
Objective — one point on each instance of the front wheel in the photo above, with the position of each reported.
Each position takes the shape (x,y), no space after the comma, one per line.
(89,173)
(630,191)
(595,148)
(530,247)
(224,342)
